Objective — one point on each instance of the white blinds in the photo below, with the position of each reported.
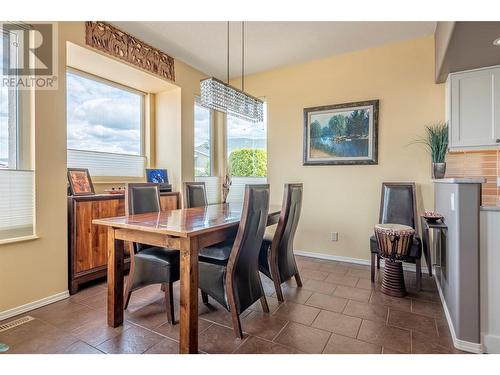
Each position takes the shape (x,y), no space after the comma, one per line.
(106,163)
(237,190)
(213,187)
(16,203)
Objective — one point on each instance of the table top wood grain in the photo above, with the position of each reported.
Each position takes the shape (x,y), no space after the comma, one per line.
(185,222)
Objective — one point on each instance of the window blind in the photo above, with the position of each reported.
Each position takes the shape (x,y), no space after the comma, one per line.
(213,188)
(16,203)
(106,163)
(237,190)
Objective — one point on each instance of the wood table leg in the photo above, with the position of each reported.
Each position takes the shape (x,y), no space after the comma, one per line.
(115,279)
(189,296)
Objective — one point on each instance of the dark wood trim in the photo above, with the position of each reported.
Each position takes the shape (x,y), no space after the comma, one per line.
(372,161)
(111,40)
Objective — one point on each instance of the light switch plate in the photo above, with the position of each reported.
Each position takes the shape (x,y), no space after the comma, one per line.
(335,236)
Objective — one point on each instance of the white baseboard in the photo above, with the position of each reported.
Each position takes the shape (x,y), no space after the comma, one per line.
(491,344)
(33,305)
(466,346)
(338,258)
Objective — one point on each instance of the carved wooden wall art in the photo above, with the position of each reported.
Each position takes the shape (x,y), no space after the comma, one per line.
(109,39)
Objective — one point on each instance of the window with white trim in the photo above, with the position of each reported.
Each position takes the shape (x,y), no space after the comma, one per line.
(105,126)
(16,176)
(204,152)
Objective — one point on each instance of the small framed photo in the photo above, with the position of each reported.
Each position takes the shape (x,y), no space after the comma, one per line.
(80,182)
(341,134)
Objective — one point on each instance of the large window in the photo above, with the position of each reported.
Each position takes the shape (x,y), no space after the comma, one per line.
(16,177)
(204,152)
(202,141)
(105,124)
(246,154)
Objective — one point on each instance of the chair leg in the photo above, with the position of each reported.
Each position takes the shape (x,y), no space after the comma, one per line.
(372,266)
(298,279)
(378,261)
(236,324)
(204,297)
(126,299)
(279,292)
(128,288)
(263,302)
(418,271)
(169,302)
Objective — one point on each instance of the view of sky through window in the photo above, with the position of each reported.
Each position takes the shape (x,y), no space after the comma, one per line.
(102,117)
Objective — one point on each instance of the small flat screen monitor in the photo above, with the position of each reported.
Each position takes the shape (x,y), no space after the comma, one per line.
(157,176)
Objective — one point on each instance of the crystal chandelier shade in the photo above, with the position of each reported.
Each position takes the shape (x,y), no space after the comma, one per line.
(223,97)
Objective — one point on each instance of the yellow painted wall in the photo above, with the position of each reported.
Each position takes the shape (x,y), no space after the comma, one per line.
(346,199)
(37,269)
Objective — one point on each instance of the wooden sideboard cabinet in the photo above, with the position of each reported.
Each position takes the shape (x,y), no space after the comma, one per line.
(87,242)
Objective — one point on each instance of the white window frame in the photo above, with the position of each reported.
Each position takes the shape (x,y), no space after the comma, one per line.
(197,101)
(18,178)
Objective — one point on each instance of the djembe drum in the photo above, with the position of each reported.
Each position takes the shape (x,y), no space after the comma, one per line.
(394,242)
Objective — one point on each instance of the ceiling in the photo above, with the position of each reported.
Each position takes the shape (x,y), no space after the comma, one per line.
(469,45)
(268,45)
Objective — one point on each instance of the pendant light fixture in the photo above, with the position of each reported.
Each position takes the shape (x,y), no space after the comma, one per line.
(221,96)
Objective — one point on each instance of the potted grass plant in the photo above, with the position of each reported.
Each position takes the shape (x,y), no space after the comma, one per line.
(436,141)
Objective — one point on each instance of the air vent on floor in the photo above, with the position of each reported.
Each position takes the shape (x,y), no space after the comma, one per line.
(15,323)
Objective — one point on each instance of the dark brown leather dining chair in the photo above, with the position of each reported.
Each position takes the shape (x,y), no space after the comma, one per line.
(236,285)
(195,195)
(398,205)
(149,264)
(276,259)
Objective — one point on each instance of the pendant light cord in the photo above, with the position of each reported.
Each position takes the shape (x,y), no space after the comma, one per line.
(228,52)
(242,55)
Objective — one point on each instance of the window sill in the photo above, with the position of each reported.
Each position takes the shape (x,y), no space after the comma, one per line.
(19,239)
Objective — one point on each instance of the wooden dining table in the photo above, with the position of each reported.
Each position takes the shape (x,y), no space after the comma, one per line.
(187,230)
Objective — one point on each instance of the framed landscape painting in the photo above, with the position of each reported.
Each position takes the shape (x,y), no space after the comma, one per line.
(341,134)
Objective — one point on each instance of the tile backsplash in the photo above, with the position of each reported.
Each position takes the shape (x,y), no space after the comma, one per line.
(478,164)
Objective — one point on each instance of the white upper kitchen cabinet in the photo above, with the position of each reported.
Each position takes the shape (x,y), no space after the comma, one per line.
(473,109)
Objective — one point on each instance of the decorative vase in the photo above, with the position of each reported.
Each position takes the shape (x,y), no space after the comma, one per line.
(438,170)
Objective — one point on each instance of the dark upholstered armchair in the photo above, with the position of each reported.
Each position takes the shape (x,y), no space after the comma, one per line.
(398,205)
(149,264)
(236,285)
(195,195)
(276,259)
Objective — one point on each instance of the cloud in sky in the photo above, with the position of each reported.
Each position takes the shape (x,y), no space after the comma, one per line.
(102,117)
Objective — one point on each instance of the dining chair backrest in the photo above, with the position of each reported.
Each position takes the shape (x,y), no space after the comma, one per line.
(282,245)
(398,204)
(142,198)
(195,194)
(243,279)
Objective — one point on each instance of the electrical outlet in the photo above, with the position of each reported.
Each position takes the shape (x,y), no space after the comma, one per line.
(335,236)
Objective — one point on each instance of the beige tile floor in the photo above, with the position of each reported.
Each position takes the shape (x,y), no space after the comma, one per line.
(337,310)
